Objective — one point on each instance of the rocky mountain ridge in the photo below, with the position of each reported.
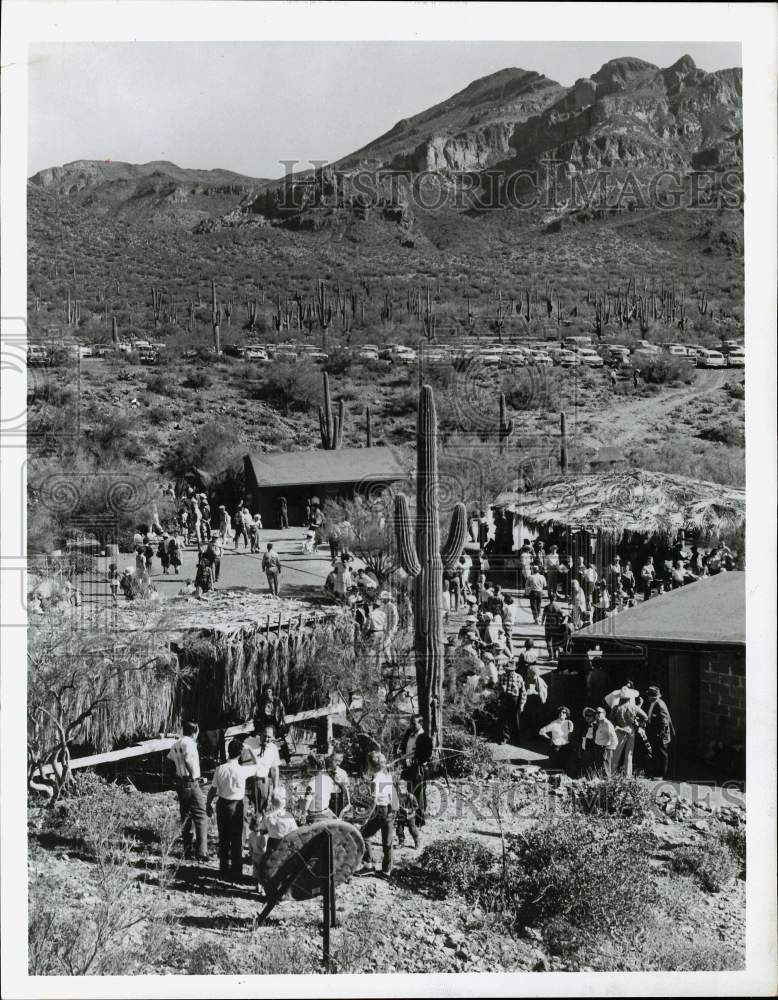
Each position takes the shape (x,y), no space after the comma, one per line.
(629,115)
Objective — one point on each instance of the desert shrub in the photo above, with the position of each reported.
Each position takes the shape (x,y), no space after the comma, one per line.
(465,755)
(198,380)
(663,368)
(589,872)
(735,390)
(122,927)
(289,385)
(160,384)
(157,415)
(213,448)
(711,864)
(734,838)
(209,958)
(533,389)
(457,866)
(724,432)
(614,795)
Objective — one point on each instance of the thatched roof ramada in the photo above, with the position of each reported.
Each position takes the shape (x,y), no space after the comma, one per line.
(643,503)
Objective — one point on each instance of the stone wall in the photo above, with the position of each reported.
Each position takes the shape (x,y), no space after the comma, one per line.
(722,698)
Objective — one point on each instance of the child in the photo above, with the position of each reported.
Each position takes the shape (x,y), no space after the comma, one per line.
(113,582)
(270,829)
(406,814)
(342,795)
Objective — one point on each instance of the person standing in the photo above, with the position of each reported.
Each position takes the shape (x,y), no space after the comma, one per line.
(225,525)
(659,730)
(407,809)
(191,801)
(162,553)
(382,815)
(271,713)
(513,698)
(242,522)
(392,617)
(589,581)
(525,563)
(552,571)
(605,741)
(174,553)
(262,754)
(559,732)
(229,788)
(647,576)
(341,802)
(271,564)
(628,583)
(626,718)
(577,603)
(418,753)
(536,584)
(283,513)
(553,622)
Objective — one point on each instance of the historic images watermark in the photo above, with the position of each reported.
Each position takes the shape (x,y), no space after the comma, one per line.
(553,185)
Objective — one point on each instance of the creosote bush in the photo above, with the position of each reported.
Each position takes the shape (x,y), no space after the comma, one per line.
(457,866)
(711,864)
(614,795)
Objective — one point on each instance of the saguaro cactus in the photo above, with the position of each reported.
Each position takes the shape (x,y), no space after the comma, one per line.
(505,429)
(368,429)
(331,427)
(424,560)
(563,442)
(215,320)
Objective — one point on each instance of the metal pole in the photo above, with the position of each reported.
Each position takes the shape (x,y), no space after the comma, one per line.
(325,869)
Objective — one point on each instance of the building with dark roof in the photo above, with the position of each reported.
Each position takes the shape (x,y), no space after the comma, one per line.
(299,475)
(691,643)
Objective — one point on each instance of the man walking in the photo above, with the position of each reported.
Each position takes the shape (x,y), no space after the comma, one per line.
(229,788)
(271,564)
(660,731)
(191,801)
(536,584)
(512,701)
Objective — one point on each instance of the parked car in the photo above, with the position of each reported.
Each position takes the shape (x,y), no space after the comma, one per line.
(37,356)
(256,354)
(568,359)
(102,350)
(368,353)
(710,359)
(736,358)
(490,359)
(284,354)
(590,357)
(235,351)
(540,358)
(581,341)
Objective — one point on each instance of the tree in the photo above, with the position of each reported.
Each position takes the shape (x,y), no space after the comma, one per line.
(89,685)
(367,530)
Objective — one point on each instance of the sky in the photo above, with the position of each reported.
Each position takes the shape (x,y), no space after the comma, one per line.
(246,106)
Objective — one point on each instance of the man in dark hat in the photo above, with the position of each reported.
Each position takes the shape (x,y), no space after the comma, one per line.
(660,731)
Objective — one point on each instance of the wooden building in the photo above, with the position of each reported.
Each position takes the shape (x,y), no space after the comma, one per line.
(300,475)
(691,643)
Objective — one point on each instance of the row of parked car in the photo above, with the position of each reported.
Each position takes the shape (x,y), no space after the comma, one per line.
(571,352)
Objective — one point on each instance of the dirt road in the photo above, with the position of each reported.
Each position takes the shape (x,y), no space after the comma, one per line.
(625,420)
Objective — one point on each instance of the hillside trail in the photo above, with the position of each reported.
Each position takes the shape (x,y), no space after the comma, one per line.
(622,422)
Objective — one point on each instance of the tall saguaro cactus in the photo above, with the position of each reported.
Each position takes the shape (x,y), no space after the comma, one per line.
(215,319)
(563,442)
(505,429)
(331,427)
(424,559)
(368,428)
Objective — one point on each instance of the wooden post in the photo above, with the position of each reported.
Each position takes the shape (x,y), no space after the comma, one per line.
(329,919)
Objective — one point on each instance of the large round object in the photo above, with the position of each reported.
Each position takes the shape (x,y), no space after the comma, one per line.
(305,849)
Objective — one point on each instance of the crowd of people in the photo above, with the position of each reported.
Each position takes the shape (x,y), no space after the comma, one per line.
(252,807)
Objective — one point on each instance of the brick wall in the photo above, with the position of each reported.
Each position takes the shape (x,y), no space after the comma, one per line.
(722,698)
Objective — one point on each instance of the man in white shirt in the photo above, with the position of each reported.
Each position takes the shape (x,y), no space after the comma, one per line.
(559,732)
(382,816)
(318,791)
(261,752)
(191,801)
(229,784)
(536,585)
(605,739)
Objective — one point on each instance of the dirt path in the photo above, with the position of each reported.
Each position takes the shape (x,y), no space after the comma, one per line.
(623,422)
